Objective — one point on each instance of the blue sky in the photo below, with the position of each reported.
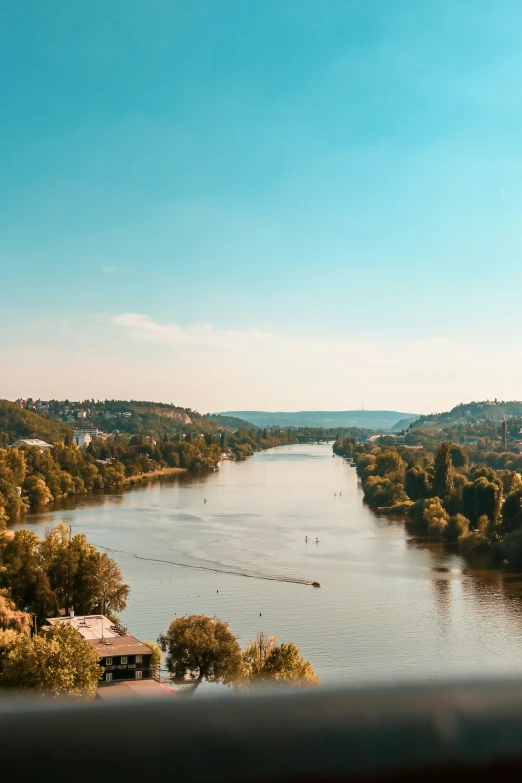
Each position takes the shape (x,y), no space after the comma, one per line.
(199,198)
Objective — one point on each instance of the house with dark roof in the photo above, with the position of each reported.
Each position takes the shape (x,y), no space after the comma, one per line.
(122,656)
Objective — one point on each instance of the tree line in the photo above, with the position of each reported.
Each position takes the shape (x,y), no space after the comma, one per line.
(31,477)
(59,571)
(204,648)
(244,442)
(442,494)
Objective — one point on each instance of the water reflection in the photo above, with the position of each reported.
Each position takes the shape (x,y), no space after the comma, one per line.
(390,606)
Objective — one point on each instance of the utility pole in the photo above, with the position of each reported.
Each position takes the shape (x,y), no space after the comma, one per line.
(69,574)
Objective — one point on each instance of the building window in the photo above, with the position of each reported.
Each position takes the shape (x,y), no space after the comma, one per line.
(108,661)
(124,659)
(139,675)
(108,677)
(138,659)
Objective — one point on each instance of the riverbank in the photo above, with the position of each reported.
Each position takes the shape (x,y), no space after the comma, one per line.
(153,474)
(390,606)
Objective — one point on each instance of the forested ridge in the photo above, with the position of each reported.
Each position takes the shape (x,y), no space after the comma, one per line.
(16,422)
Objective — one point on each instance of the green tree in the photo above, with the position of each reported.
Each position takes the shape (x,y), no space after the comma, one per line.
(443,476)
(435,517)
(156,653)
(459,456)
(7,640)
(12,619)
(417,483)
(512,512)
(155,660)
(265,660)
(111,592)
(511,481)
(482,497)
(456,527)
(12,476)
(3,514)
(387,462)
(284,662)
(59,661)
(45,601)
(21,566)
(37,491)
(383,492)
(202,647)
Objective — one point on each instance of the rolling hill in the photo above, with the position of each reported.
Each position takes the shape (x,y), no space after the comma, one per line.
(17,423)
(375,420)
(229,421)
(473,413)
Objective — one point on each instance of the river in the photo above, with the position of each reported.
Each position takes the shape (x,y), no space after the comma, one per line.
(389,608)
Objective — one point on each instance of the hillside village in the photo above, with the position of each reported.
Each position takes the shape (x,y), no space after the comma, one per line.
(486,425)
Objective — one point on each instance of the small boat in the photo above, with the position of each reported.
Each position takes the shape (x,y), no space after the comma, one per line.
(316,584)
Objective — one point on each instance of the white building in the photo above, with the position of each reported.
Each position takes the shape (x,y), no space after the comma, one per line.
(43,446)
(89,429)
(82,439)
(95,626)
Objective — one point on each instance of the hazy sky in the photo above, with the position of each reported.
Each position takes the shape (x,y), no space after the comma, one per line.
(283,204)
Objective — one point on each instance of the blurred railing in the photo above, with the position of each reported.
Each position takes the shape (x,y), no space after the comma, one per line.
(405,733)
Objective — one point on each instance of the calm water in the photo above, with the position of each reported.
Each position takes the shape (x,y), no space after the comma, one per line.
(388,606)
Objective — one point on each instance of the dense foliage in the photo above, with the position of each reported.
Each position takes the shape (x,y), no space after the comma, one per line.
(200,647)
(30,477)
(58,661)
(60,571)
(443,495)
(345,446)
(15,422)
(244,443)
(38,578)
(266,661)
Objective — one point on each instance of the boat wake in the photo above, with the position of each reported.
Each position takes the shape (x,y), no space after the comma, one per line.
(291,579)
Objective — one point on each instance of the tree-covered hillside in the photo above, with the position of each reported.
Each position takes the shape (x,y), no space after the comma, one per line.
(16,422)
(232,422)
(473,412)
(149,418)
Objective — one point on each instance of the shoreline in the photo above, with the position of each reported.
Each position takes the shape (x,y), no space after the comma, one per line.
(153,474)
(63,502)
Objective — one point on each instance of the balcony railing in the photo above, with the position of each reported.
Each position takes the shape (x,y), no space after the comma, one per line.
(450,731)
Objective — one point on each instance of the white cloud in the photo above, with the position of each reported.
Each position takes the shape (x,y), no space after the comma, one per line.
(142,327)
(245,369)
(131,355)
(108,269)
